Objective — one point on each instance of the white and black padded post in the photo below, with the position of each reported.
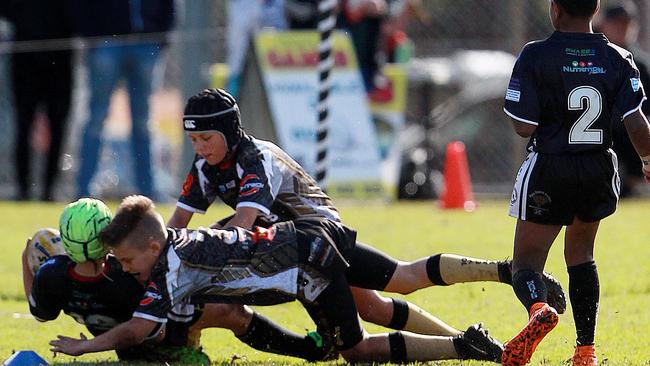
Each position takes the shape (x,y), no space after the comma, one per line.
(326,23)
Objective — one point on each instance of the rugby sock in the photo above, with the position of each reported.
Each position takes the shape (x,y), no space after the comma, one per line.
(448,269)
(584,293)
(529,287)
(410,317)
(408,347)
(264,335)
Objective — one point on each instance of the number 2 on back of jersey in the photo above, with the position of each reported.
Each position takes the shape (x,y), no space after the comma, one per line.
(580,132)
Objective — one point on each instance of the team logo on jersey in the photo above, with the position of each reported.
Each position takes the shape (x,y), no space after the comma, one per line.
(636,84)
(539,201)
(250,185)
(187,185)
(149,297)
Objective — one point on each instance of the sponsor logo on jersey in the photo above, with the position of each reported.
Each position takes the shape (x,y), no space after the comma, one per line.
(513,95)
(149,297)
(187,185)
(580,52)
(586,67)
(636,84)
(231,184)
(250,185)
(189,124)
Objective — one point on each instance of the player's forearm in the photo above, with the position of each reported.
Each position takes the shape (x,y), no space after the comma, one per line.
(119,337)
(28,277)
(244,218)
(180,218)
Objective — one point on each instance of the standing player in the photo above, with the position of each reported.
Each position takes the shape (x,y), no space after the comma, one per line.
(92,288)
(301,259)
(263,184)
(565,93)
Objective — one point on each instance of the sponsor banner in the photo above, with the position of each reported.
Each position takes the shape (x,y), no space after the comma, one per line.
(288,62)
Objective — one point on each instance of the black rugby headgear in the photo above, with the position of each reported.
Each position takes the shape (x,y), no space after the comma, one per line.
(214,110)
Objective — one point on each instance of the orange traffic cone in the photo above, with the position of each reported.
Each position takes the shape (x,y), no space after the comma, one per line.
(458,185)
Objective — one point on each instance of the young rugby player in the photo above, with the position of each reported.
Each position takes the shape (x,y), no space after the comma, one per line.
(91,287)
(302,259)
(264,185)
(565,93)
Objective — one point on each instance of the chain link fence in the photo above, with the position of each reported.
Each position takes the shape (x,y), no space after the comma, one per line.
(448,33)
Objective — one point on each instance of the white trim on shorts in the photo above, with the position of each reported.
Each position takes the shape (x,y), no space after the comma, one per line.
(518,206)
(616,180)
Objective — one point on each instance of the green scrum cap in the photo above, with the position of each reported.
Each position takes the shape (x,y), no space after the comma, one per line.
(80,225)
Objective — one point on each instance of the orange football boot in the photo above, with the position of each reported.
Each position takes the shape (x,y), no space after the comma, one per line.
(519,350)
(585,356)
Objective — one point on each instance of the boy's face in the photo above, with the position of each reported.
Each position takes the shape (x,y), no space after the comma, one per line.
(138,263)
(209,145)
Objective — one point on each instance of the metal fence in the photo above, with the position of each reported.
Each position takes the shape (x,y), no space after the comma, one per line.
(448,27)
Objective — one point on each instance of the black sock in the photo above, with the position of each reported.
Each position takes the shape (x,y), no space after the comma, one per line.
(529,287)
(584,293)
(264,335)
(433,270)
(400,314)
(397,347)
(505,271)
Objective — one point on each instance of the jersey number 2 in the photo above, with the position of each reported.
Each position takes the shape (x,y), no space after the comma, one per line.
(580,132)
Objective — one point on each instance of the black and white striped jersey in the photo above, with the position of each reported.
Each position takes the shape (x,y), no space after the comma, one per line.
(225,266)
(259,175)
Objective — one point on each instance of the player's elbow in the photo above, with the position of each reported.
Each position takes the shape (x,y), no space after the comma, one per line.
(524,129)
(130,338)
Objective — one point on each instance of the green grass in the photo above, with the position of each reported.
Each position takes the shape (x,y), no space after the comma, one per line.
(406,231)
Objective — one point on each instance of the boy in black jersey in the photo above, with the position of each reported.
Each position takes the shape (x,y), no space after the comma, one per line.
(301,259)
(565,93)
(92,288)
(264,185)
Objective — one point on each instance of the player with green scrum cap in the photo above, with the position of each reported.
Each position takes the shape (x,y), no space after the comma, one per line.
(90,286)
(80,224)
(88,275)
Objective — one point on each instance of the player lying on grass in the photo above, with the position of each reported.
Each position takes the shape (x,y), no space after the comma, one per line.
(565,93)
(304,259)
(263,184)
(91,287)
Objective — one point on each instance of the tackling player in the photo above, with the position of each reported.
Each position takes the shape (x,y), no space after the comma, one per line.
(301,259)
(565,93)
(91,287)
(264,185)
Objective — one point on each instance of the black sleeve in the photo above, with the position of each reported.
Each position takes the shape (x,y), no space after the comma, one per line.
(258,185)
(48,291)
(522,102)
(196,196)
(631,94)
(155,303)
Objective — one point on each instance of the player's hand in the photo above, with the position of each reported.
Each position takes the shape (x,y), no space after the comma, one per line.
(69,346)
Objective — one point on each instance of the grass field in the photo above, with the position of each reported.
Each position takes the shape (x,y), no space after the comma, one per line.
(406,231)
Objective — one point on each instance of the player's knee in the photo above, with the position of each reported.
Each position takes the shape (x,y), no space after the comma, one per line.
(378,310)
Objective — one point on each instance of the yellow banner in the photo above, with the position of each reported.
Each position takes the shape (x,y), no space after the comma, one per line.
(280,51)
